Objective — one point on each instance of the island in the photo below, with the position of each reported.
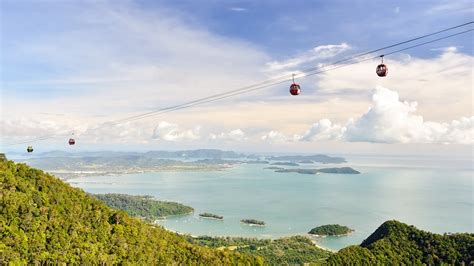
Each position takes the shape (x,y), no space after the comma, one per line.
(285,163)
(145,207)
(253,222)
(274,168)
(306,162)
(320,158)
(211,216)
(331,230)
(334,170)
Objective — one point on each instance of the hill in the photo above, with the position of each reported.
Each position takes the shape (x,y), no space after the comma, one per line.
(143,206)
(44,220)
(397,243)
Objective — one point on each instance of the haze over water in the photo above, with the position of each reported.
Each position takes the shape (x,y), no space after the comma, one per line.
(434,194)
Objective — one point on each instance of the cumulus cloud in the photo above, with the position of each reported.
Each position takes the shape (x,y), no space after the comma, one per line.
(172,132)
(444,80)
(324,130)
(390,120)
(275,136)
(233,135)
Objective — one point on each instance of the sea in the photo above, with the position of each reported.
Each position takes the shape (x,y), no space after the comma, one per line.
(432,193)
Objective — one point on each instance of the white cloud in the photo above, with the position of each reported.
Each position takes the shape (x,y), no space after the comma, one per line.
(275,136)
(233,135)
(238,9)
(97,67)
(324,130)
(445,80)
(317,53)
(448,6)
(172,132)
(390,120)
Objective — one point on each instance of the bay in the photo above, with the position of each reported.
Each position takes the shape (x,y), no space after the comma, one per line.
(432,193)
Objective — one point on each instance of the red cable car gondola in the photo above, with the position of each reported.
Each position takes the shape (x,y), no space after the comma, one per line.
(382,69)
(29,149)
(295,88)
(72,141)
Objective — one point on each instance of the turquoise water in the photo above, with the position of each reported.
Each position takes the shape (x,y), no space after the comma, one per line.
(434,194)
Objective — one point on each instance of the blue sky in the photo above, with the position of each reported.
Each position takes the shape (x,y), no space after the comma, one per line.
(76,64)
(284,28)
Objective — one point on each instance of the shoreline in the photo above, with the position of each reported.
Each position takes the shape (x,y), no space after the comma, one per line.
(211,218)
(324,236)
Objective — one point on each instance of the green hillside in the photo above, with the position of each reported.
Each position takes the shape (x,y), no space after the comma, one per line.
(398,243)
(45,220)
(143,206)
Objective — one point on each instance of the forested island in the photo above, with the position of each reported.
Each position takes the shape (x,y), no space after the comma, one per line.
(211,216)
(285,164)
(274,168)
(320,158)
(253,222)
(331,230)
(143,206)
(333,170)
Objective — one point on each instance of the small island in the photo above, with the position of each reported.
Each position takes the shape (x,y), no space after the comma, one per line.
(211,216)
(253,222)
(335,170)
(285,163)
(274,168)
(331,230)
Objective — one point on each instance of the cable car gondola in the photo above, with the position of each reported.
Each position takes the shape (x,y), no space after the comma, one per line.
(72,141)
(29,149)
(382,69)
(295,88)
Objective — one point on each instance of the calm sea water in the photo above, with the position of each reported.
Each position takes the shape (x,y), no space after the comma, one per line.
(433,194)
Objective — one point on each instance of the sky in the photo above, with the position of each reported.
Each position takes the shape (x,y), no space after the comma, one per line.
(71,66)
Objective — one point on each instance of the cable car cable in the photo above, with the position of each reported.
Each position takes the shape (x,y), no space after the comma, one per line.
(261,85)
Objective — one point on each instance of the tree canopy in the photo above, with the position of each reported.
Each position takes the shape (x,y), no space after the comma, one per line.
(44,220)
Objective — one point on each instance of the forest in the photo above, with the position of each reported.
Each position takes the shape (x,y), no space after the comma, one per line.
(295,250)
(46,221)
(143,206)
(397,243)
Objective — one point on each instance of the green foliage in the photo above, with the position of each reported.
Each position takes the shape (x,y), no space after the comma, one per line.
(143,206)
(43,220)
(252,221)
(398,243)
(228,241)
(211,215)
(296,250)
(330,230)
